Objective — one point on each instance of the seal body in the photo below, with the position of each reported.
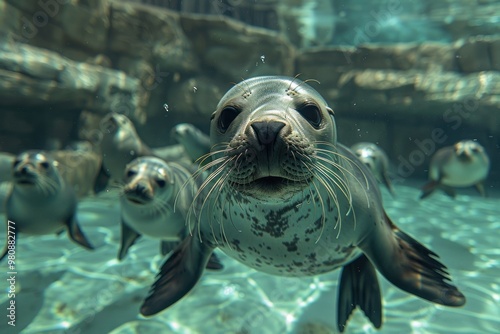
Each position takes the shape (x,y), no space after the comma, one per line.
(464,164)
(40,201)
(376,160)
(284,197)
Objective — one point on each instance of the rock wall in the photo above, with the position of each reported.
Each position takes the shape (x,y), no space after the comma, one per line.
(65,63)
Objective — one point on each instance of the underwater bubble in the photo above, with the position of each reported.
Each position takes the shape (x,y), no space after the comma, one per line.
(263,58)
(165,106)
(132,152)
(195,89)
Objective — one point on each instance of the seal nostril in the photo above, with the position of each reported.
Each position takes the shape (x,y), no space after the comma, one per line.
(267,131)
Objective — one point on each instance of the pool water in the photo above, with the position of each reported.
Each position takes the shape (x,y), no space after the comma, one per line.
(62,288)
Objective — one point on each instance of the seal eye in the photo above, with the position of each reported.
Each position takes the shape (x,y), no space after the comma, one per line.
(227,116)
(131,173)
(161,183)
(311,113)
(44,164)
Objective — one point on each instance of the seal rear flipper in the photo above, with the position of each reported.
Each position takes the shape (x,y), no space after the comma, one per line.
(128,238)
(76,234)
(178,275)
(359,287)
(412,267)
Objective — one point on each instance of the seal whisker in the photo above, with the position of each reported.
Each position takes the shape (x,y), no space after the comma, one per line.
(343,157)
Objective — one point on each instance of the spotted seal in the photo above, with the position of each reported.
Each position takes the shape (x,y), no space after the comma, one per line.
(376,160)
(120,144)
(40,201)
(285,198)
(464,164)
(155,199)
(195,142)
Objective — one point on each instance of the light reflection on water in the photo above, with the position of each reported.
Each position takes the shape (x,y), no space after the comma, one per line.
(94,293)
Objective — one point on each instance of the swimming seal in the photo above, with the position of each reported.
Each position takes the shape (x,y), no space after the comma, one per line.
(285,198)
(376,160)
(195,142)
(464,164)
(120,144)
(40,201)
(155,200)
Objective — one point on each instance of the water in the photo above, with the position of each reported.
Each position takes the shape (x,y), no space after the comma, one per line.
(63,288)
(65,64)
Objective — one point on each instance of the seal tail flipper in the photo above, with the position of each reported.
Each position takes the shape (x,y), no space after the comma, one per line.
(76,233)
(177,276)
(413,268)
(359,287)
(128,238)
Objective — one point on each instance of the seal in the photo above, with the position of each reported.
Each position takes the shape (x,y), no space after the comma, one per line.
(195,142)
(40,202)
(376,160)
(152,189)
(82,170)
(464,164)
(285,198)
(120,144)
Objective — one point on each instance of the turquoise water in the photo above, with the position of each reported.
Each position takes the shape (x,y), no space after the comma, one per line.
(62,288)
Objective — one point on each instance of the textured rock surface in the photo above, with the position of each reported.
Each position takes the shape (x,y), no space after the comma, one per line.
(35,77)
(180,64)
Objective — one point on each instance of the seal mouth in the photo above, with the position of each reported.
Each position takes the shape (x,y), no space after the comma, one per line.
(138,198)
(24,179)
(271,185)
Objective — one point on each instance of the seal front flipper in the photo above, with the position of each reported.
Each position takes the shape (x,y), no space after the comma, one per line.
(178,275)
(411,266)
(359,287)
(480,189)
(101,180)
(76,234)
(214,263)
(129,236)
(429,188)
(167,246)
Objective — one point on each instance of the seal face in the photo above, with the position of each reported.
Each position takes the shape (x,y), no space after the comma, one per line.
(464,164)
(285,198)
(376,160)
(40,201)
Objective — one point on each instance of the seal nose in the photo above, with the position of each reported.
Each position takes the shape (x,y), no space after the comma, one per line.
(267,131)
